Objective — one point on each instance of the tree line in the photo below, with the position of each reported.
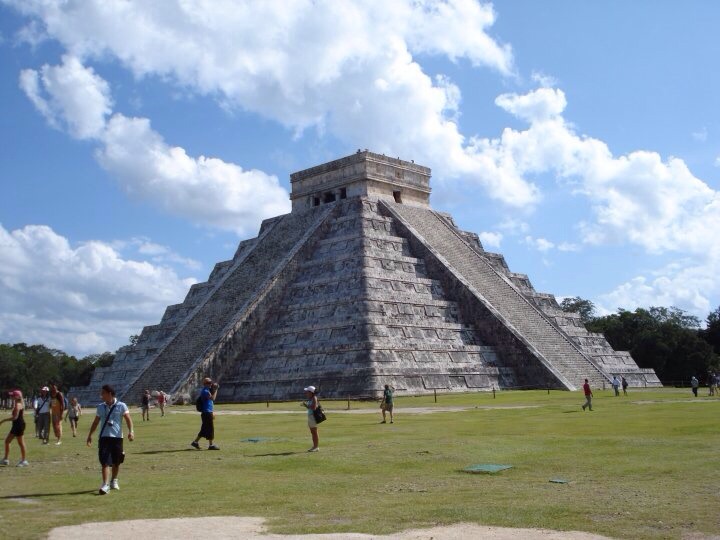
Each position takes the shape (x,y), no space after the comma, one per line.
(668,340)
(30,367)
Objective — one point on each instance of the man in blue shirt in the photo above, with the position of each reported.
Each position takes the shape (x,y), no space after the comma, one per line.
(207,414)
(110,414)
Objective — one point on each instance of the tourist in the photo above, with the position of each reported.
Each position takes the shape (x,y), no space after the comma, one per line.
(207,397)
(73,413)
(161,398)
(624,385)
(42,411)
(110,414)
(694,384)
(588,396)
(57,407)
(616,385)
(311,403)
(35,403)
(145,405)
(17,431)
(711,383)
(387,402)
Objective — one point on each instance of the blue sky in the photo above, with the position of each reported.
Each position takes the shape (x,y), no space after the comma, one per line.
(139,142)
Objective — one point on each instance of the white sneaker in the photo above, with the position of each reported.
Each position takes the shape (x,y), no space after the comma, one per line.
(5,462)
(114,484)
(23,463)
(58,443)
(104,489)
(314,449)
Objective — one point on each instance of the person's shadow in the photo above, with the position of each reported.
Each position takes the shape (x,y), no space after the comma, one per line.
(174,451)
(277,454)
(37,495)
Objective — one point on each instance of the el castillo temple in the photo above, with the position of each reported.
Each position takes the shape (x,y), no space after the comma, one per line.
(363,284)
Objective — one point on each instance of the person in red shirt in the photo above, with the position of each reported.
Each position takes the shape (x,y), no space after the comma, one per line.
(588,396)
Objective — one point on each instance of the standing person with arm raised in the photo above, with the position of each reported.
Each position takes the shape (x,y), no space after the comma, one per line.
(110,414)
(206,402)
(57,407)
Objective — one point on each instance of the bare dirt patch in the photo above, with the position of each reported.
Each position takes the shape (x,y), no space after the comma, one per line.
(251,528)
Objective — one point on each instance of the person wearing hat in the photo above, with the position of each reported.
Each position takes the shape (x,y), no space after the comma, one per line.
(207,397)
(43,414)
(311,403)
(17,431)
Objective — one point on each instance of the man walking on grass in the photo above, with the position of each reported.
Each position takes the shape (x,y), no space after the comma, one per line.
(588,396)
(110,414)
(207,414)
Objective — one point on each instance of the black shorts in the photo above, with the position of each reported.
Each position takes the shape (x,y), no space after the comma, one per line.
(18,427)
(110,451)
(207,429)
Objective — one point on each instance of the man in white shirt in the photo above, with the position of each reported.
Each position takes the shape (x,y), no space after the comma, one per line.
(110,414)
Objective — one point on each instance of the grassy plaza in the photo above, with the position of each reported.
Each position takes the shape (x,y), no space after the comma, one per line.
(642,466)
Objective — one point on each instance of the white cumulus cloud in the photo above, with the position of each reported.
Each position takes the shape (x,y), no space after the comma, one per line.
(203,189)
(689,284)
(82,299)
(637,198)
(69,95)
(490,239)
(344,68)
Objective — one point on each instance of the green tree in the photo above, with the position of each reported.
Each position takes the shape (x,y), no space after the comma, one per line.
(711,333)
(665,339)
(29,367)
(585,308)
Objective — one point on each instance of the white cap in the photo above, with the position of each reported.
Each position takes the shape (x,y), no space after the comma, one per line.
(45,388)
(309,389)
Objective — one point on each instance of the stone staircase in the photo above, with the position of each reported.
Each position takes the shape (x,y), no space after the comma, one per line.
(543,339)
(210,322)
(130,361)
(362,313)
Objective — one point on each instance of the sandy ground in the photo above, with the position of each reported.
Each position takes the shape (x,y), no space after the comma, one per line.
(250,528)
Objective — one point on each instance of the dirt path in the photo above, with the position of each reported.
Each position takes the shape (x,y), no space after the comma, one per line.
(250,528)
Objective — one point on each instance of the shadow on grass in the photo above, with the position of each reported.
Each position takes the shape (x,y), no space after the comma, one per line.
(277,454)
(175,451)
(36,495)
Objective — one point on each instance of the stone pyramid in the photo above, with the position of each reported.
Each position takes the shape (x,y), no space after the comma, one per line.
(363,285)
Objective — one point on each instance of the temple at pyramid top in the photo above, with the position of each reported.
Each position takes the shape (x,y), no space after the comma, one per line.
(363,174)
(363,284)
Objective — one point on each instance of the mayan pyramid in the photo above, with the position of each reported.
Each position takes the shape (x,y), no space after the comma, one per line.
(362,284)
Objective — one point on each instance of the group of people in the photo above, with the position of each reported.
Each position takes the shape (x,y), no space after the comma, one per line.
(160,397)
(617,383)
(111,413)
(50,408)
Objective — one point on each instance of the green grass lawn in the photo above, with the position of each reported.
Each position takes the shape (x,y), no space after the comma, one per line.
(642,466)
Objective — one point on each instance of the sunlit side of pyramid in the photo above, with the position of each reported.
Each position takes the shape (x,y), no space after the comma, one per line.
(363,285)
